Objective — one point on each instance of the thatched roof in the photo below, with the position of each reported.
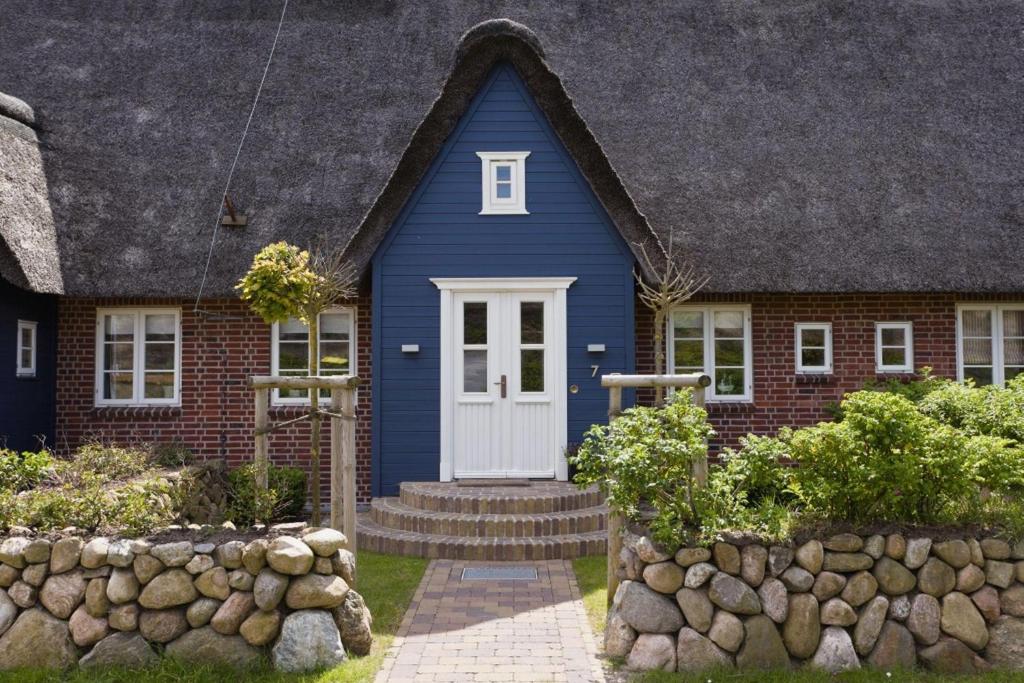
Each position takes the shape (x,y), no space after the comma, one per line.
(28,240)
(809,147)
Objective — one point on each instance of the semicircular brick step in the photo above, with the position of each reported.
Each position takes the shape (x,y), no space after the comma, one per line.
(541,521)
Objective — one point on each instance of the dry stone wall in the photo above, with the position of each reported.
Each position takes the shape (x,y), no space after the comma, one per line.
(73,601)
(844,602)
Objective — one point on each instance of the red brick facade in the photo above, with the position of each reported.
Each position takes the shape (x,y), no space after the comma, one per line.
(220,349)
(781,397)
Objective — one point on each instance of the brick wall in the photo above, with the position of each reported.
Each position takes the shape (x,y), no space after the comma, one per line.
(220,350)
(784,398)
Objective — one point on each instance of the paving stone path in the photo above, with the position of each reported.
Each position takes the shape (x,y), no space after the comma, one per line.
(494,629)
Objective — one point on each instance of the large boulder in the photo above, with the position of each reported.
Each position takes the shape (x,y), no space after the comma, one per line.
(869,624)
(690,556)
(124,617)
(169,589)
(950,656)
(312,591)
(835,651)
(229,555)
(962,620)
(254,556)
(694,652)
(325,542)
(828,585)
(917,552)
(122,587)
(696,607)
(893,578)
(899,608)
(162,626)
(698,574)
(86,629)
(895,546)
(12,551)
(269,588)
(986,599)
(1011,602)
(732,595)
(309,640)
(956,553)
(895,648)
(63,593)
(779,558)
(726,557)
(652,652)
(201,611)
(37,640)
(844,543)
(206,647)
(213,583)
(726,631)
(810,556)
(797,580)
(96,600)
(802,628)
(774,599)
(1006,644)
(65,554)
(260,627)
(753,559)
(999,574)
(647,611)
(355,624)
(146,567)
(861,587)
(970,579)
(835,612)
(936,578)
(846,562)
(619,636)
(173,554)
(664,577)
(290,556)
(121,650)
(232,613)
(8,612)
(762,646)
(923,621)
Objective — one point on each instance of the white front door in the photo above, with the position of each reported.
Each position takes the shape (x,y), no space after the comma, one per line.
(503,381)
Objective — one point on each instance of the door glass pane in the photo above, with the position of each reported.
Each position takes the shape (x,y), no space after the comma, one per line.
(894,357)
(977,323)
(474,323)
(728,381)
(532,370)
(159,385)
(977,352)
(474,371)
(893,336)
(689,325)
(531,322)
(812,337)
(981,376)
(728,324)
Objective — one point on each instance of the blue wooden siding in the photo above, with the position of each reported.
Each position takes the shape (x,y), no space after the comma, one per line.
(441,234)
(27,403)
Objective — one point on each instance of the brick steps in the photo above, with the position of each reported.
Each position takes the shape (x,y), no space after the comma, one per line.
(543,521)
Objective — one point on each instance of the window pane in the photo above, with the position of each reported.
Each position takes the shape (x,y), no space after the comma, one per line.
(977,352)
(117,385)
(689,324)
(118,356)
(292,356)
(893,336)
(728,324)
(812,358)
(474,323)
(293,330)
(977,323)
(26,337)
(159,356)
(334,327)
(26,358)
(503,172)
(690,353)
(812,337)
(474,372)
(293,393)
(1013,351)
(159,385)
(503,191)
(1013,323)
(729,352)
(160,328)
(532,370)
(728,381)
(531,322)
(981,376)
(119,327)
(894,357)
(333,356)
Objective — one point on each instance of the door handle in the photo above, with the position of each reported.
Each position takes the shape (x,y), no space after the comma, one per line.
(504,386)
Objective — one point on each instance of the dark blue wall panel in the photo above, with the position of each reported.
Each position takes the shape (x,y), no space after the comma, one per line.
(27,403)
(441,234)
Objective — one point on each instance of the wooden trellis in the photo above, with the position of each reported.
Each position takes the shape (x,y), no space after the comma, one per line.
(343,439)
(615,383)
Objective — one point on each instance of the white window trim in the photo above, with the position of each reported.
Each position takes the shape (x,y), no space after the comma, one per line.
(998,359)
(20,370)
(908,346)
(490,203)
(802,369)
(138,374)
(275,399)
(709,355)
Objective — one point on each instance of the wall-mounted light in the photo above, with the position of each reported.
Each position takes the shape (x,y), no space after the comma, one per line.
(595,348)
(410,348)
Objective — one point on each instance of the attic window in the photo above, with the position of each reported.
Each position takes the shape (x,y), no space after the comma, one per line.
(503,182)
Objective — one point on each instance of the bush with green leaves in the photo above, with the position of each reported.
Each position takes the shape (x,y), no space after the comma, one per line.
(24,469)
(284,499)
(988,410)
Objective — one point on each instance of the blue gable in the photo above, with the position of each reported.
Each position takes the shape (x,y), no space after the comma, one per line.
(439,233)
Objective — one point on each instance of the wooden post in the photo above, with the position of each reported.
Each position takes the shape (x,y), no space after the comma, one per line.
(337,489)
(700,468)
(348,465)
(615,519)
(262,440)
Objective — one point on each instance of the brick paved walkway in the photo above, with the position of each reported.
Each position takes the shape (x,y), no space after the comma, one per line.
(494,630)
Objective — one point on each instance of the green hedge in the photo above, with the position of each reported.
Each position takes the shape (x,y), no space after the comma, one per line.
(284,500)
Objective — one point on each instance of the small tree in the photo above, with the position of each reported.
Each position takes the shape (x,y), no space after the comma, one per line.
(674,281)
(287,282)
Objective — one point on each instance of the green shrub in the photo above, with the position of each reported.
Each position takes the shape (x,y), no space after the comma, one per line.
(113,463)
(174,455)
(19,471)
(988,410)
(285,498)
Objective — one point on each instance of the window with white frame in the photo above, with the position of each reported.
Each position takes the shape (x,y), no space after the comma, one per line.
(814,348)
(25,365)
(290,354)
(138,356)
(894,347)
(503,182)
(714,340)
(990,342)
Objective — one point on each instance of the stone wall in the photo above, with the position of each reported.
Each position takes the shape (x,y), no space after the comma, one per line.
(848,601)
(87,602)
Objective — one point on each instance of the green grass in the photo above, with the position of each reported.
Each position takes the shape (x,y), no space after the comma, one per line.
(861,676)
(387,583)
(591,575)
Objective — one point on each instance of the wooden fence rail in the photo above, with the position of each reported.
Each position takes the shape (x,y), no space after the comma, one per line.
(615,384)
(343,440)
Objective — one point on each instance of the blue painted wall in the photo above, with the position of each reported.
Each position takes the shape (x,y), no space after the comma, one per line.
(27,405)
(441,234)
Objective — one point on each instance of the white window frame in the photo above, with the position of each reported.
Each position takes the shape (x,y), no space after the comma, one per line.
(275,398)
(491,204)
(802,369)
(30,370)
(138,371)
(908,346)
(998,356)
(709,310)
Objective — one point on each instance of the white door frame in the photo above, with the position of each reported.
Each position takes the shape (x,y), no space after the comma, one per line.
(559,340)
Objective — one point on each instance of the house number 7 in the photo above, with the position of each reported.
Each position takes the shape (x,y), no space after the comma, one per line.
(594,369)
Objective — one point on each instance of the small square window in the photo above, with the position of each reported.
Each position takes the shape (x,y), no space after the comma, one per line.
(814,348)
(503,177)
(894,347)
(25,364)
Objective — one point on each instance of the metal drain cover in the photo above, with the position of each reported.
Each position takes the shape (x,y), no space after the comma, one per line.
(499,574)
